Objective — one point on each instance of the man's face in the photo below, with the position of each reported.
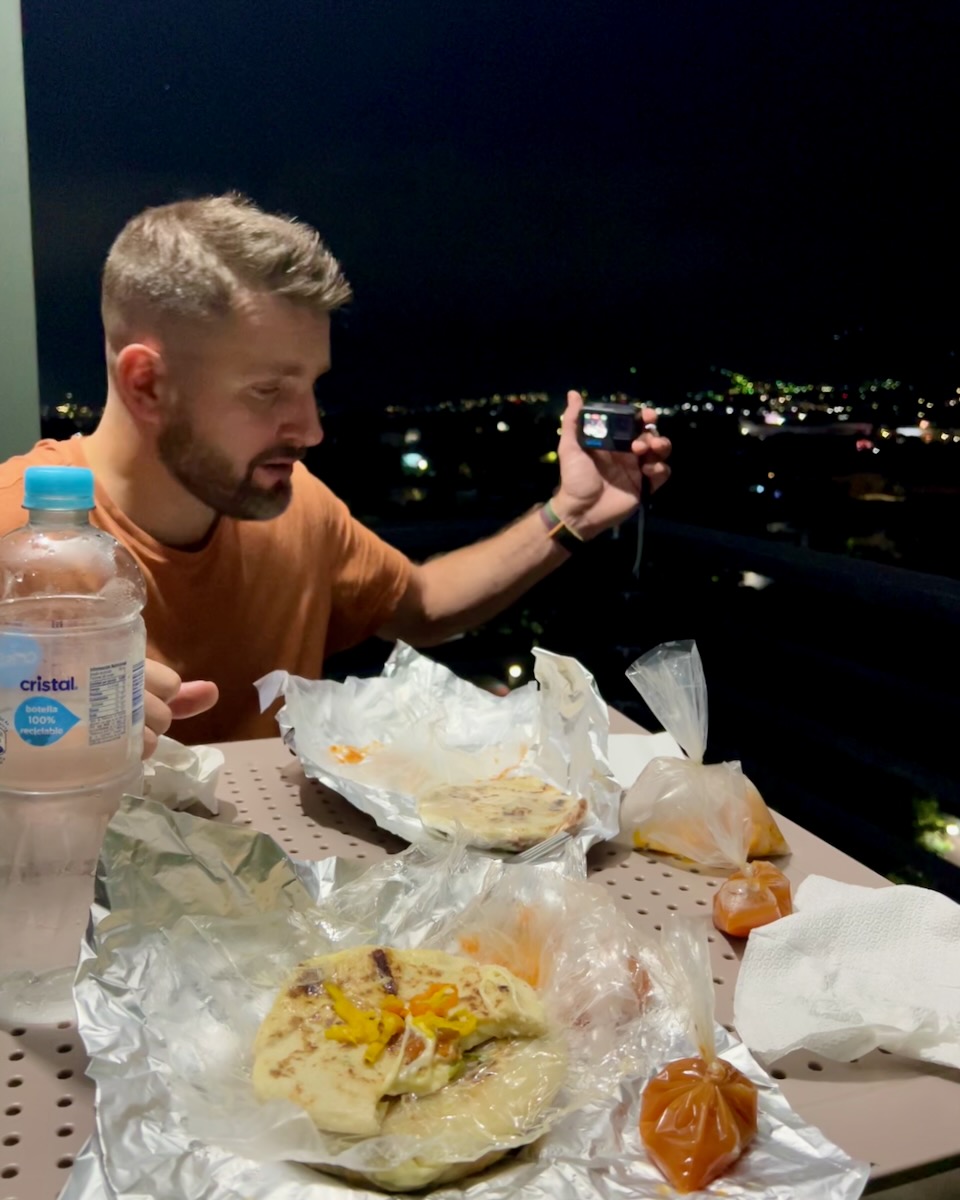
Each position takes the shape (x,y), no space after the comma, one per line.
(241,408)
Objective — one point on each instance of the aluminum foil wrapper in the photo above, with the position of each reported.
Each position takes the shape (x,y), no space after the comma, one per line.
(381,742)
(196,924)
(180,776)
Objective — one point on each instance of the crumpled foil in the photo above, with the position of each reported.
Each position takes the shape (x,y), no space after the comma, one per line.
(180,776)
(196,923)
(418,725)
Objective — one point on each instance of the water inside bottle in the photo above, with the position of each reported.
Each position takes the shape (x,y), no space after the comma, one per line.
(48,855)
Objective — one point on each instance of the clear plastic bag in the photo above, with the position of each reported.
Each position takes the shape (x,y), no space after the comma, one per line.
(699,1114)
(712,815)
(601,984)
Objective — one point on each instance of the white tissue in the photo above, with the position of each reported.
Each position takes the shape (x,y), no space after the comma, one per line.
(855,968)
(180,776)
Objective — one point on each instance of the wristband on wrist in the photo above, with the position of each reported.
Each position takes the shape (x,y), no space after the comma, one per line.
(558,531)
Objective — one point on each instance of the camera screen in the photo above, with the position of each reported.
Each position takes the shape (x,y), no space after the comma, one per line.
(595,425)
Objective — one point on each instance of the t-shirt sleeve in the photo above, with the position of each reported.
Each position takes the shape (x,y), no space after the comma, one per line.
(46,453)
(12,472)
(367,577)
(11,502)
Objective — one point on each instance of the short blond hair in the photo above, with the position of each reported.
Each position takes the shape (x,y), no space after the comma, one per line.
(194,259)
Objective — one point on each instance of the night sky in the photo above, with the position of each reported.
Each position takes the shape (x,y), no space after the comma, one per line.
(528,193)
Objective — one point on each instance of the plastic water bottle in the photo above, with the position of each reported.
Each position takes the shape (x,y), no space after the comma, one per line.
(72,646)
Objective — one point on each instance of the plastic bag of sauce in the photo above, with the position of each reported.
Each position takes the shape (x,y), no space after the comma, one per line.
(753,896)
(697,1114)
(696,1119)
(710,814)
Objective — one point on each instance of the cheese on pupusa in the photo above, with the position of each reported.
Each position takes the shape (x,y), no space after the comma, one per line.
(352,1029)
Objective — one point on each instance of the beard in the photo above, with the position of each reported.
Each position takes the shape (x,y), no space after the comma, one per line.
(210,477)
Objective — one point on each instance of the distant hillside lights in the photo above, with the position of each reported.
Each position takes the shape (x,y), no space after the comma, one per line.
(468,404)
(497,400)
(775,403)
(70,409)
(414,463)
(785,406)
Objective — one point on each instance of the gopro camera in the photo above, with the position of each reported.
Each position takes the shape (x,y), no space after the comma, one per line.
(607,426)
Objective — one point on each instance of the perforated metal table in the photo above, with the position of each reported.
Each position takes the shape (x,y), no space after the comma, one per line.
(901,1116)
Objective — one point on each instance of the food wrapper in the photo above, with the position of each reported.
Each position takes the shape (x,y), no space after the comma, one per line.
(180,776)
(381,742)
(712,815)
(195,926)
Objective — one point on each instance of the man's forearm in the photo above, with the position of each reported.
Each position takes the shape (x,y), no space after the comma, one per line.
(464,588)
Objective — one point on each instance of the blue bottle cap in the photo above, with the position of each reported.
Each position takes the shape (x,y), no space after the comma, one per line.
(58,489)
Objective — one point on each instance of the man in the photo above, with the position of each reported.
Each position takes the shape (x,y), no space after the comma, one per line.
(217,324)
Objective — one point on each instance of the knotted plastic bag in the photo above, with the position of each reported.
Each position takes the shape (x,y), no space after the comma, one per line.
(698,1114)
(681,806)
(755,895)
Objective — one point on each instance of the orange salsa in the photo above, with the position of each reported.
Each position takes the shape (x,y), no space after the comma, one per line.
(696,1119)
(753,896)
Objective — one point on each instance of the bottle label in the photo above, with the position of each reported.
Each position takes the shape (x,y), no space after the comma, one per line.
(43,722)
(20,658)
(109,703)
(138,672)
(62,694)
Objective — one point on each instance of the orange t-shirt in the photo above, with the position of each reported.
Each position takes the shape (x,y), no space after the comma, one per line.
(259,596)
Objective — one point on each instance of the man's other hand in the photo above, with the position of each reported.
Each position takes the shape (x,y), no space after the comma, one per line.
(167,699)
(602,488)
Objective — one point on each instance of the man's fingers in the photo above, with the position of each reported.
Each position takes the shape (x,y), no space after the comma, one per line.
(194,698)
(160,681)
(166,700)
(150,741)
(658,473)
(568,422)
(156,721)
(574,402)
(653,444)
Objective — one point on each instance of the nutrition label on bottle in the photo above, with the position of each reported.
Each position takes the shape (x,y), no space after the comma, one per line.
(138,673)
(109,701)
